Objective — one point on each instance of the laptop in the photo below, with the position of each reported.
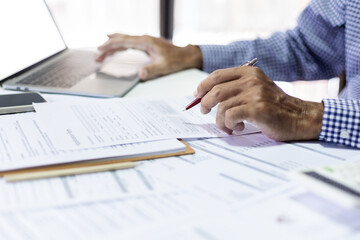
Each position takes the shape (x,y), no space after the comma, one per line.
(34,56)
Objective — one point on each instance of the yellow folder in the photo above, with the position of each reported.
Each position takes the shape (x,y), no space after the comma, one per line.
(188,150)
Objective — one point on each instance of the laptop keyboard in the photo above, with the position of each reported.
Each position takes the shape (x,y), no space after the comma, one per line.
(65,73)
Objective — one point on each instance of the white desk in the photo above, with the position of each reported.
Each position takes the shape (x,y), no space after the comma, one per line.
(177,84)
(230,189)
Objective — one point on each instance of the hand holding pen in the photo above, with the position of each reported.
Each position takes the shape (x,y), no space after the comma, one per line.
(198,100)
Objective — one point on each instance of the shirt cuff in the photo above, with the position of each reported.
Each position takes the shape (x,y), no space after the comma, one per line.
(341,122)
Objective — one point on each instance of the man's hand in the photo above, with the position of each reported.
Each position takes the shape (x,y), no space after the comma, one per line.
(246,93)
(166,57)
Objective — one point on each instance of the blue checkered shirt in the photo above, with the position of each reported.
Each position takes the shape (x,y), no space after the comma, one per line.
(324,44)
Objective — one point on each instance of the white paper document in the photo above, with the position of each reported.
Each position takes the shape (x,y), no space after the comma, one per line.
(118,121)
(24,143)
(116,185)
(238,168)
(208,195)
(279,216)
(100,220)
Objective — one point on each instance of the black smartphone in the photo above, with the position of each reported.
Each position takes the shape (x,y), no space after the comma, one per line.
(20,102)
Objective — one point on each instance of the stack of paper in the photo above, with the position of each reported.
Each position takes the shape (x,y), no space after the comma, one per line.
(229,189)
(100,130)
(119,121)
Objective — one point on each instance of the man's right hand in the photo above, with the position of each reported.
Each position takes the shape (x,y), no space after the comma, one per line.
(166,57)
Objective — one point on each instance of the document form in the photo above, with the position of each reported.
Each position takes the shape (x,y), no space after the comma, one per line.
(233,169)
(199,191)
(83,189)
(118,121)
(243,167)
(102,219)
(25,143)
(279,216)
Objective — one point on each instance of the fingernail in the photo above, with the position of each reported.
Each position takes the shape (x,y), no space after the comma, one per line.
(195,93)
(204,110)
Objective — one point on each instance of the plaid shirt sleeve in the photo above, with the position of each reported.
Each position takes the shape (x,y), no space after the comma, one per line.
(314,49)
(341,122)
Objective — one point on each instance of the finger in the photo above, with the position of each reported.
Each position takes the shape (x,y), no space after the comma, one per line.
(220,93)
(220,122)
(126,41)
(239,126)
(104,47)
(153,70)
(103,55)
(111,44)
(235,116)
(222,110)
(220,76)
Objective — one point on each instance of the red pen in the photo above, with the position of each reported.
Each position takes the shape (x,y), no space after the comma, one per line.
(198,100)
(193,103)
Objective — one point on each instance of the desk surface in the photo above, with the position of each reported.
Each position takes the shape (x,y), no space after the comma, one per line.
(228,183)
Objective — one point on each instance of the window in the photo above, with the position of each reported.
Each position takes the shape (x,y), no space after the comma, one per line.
(222,21)
(85,23)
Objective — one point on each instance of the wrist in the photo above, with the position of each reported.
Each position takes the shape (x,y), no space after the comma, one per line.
(193,57)
(311,120)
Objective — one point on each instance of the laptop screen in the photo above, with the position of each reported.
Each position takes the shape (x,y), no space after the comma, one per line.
(28,35)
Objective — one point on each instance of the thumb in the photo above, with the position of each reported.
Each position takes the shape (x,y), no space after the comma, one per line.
(153,70)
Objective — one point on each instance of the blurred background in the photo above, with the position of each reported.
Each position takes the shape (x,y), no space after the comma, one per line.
(85,23)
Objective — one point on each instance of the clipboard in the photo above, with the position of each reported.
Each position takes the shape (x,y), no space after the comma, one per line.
(188,150)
